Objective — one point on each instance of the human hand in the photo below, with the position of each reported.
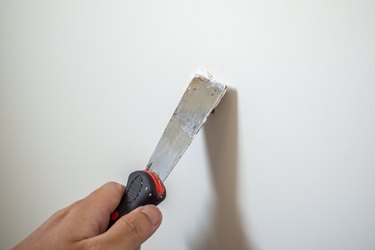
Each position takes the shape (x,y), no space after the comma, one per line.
(83,224)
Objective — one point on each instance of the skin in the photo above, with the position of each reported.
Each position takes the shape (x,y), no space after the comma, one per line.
(83,224)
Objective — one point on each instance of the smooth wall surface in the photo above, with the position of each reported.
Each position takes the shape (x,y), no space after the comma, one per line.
(286,162)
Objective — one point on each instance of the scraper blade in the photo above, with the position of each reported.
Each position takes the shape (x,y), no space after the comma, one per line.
(146,186)
(200,98)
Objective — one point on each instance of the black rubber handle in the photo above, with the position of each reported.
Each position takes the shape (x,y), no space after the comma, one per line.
(143,187)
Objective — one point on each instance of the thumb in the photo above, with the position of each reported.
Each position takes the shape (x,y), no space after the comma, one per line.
(131,230)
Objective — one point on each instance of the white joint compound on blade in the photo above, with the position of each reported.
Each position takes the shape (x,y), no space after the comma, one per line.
(199,99)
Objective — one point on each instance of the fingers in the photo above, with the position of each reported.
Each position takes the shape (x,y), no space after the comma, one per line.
(107,196)
(131,230)
(98,206)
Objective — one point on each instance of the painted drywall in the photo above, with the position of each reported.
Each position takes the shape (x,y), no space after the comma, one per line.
(286,162)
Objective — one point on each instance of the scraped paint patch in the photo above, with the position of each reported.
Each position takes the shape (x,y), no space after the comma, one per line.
(192,124)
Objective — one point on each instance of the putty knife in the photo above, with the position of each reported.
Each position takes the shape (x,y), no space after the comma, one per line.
(146,186)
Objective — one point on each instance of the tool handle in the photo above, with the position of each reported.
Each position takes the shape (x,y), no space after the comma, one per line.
(143,187)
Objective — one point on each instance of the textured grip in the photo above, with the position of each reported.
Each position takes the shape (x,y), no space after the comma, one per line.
(143,188)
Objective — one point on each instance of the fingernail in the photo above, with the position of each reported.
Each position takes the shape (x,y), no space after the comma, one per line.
(153,213)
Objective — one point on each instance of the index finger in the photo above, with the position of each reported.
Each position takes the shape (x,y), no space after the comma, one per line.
(99,205)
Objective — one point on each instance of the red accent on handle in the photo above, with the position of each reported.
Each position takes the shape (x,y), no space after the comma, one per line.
(114,215)
(160,189)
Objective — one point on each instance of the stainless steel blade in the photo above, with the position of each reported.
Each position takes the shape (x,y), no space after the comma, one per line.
(198,101)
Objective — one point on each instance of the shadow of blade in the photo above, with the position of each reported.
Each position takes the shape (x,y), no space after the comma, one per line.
(221,135)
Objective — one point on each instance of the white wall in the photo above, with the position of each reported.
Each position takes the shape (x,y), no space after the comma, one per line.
(286,162)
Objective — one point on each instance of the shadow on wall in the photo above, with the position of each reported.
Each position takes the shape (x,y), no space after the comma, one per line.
(225,230)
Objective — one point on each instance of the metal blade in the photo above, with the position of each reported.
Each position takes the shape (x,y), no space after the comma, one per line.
(198,101)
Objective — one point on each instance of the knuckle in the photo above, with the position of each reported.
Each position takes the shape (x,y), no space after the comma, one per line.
(92,244)
(76,205)
(60,214)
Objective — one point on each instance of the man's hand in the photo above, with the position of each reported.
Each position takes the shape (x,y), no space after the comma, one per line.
(82,225)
